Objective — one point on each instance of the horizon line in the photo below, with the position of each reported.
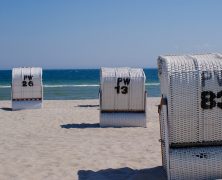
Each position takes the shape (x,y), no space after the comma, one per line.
(75,68)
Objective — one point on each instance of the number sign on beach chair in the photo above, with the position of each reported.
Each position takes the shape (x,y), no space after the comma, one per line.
(122,97)
(27,88)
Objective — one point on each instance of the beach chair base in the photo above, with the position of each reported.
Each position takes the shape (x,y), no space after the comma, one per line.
(127,119)
(196,163)
(19,105)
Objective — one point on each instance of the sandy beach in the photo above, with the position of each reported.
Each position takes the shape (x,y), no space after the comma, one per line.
(64,141)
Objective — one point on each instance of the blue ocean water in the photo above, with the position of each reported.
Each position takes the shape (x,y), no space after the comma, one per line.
(74,84)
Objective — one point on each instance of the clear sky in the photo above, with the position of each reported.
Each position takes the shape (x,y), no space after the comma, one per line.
(95,33)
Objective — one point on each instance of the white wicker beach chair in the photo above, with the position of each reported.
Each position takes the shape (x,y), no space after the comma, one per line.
(191,116)
(27,88)
(122,97)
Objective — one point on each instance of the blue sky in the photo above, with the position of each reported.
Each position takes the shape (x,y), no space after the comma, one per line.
(95,33)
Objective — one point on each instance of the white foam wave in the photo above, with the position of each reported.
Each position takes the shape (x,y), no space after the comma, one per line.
(152,84)
(5,86)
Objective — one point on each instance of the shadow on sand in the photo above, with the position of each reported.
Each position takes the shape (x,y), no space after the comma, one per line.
(80,126)
(156,173)
(6,109)
(88,105)
(85,125)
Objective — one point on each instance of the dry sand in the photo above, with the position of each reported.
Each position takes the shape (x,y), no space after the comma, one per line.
(64,141)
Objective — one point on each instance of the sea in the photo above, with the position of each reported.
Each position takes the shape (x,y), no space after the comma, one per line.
(74,84)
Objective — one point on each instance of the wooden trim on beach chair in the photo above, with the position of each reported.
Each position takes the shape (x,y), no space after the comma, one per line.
(28,99)
(163,101)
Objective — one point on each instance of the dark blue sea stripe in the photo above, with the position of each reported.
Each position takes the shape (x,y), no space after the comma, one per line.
(73,84)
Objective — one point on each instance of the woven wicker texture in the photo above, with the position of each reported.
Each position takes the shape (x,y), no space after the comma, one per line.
(122,119)
(122,89)
(188,163)
(26,83)
(189,83)
(196,163)
(164,135)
